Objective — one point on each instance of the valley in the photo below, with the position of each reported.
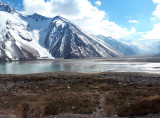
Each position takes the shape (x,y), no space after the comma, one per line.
(51,68)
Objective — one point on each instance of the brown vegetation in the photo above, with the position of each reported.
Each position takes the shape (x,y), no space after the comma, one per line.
(149,105)
(37,96)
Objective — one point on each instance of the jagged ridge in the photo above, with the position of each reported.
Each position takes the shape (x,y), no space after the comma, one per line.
(36,36)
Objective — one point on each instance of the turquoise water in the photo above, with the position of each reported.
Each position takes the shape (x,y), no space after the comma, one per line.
(86,65)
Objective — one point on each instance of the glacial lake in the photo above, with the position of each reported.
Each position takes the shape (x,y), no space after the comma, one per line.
(149,65)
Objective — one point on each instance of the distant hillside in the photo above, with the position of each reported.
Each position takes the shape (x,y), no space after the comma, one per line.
(123,48)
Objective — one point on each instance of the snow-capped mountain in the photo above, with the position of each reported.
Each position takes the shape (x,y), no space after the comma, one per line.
(64,39)
(123,48)
(144,47)
(36,36)
(6,8)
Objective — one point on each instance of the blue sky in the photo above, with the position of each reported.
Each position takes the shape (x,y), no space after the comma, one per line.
(121,11)
(117,18)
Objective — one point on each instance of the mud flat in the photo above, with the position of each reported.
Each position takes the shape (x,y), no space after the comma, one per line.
(80,95)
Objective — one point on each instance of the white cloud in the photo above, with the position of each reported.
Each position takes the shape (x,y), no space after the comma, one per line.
(98,3)
(156,13)
(152,18)
(154,34)
(80,12)
(133,21)
(156,1)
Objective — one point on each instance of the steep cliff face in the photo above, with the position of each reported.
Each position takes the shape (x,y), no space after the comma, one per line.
(17,38)
(36,36)
(65,40)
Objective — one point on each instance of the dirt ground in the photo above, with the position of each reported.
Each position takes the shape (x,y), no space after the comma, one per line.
(80,95)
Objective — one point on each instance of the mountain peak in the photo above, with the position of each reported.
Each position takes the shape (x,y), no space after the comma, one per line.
(37,16)
(6,8)
(35,36)
(60,18)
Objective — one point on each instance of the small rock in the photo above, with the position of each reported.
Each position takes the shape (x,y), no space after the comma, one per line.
(68,87)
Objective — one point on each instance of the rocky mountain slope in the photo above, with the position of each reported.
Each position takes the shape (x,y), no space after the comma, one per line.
(123,48)
(35,36)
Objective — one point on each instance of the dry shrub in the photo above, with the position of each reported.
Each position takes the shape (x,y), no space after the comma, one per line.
(149,105)
(109,110)
(151,98)
(30,110)
(103,87)
(110,99)
(72,103)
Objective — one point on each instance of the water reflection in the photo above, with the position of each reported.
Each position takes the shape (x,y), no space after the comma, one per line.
(96,65)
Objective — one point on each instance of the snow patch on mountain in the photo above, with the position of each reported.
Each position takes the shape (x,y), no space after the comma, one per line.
(6,8)
(35,36)
(66,40)
(123,48)
(16,41)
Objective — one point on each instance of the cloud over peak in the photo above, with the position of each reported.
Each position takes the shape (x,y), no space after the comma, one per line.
(80,12)
(154,33)
(74,9)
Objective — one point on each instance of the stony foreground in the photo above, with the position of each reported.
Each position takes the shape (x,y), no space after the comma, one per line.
(79,95)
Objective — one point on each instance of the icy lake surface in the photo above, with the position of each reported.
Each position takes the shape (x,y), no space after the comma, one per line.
(150,65)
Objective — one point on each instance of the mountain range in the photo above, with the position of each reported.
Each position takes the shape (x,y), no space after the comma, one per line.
(123,48)
(24,37)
